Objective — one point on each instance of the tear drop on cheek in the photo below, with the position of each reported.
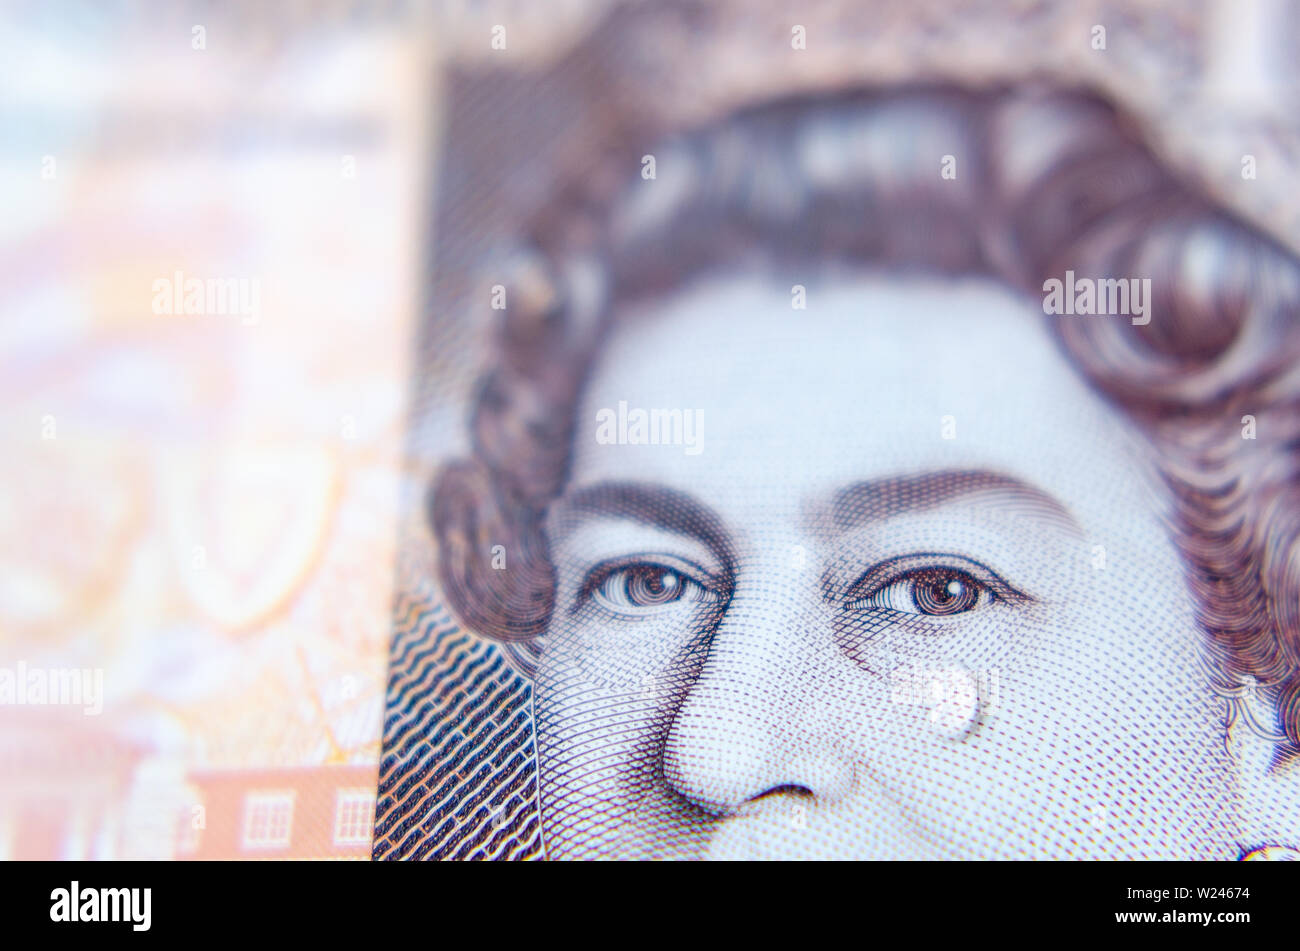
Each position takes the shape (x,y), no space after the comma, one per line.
(954,703)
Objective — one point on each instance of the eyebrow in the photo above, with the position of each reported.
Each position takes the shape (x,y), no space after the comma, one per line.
(657,506)
(863,502)
(873,501)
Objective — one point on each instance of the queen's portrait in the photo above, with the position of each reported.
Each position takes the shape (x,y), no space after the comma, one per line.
(897,473)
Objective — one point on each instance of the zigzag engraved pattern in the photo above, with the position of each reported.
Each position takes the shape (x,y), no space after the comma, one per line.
(458,776)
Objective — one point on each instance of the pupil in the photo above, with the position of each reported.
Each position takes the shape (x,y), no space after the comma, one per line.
(945,594)
(652,586)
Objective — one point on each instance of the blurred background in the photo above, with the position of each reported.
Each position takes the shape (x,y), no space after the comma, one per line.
(237,247)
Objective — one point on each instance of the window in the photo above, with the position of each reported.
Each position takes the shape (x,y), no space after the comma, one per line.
(354,817)
(268,819)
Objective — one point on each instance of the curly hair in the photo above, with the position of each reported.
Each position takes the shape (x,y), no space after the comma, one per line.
(1048,179)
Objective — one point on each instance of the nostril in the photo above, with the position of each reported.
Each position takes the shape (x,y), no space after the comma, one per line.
(786,789)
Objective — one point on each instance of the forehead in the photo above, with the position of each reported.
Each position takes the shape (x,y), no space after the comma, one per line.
(877,377)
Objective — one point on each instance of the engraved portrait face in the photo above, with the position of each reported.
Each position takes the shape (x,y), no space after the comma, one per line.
(801,520)
(903,588)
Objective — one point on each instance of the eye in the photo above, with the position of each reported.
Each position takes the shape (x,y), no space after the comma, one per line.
(644,587)
(932,590)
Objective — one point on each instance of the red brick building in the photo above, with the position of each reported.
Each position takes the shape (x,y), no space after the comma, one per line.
(309,813)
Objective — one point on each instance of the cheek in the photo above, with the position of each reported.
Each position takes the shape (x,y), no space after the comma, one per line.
(595,647)
(1130,650)
(607,688)
(1064,714)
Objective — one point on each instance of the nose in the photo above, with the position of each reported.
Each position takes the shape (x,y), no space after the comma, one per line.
(758,722)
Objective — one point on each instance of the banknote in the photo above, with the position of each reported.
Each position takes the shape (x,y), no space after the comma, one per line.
(208,280)
(619,430)
(856,464)
(213,258)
